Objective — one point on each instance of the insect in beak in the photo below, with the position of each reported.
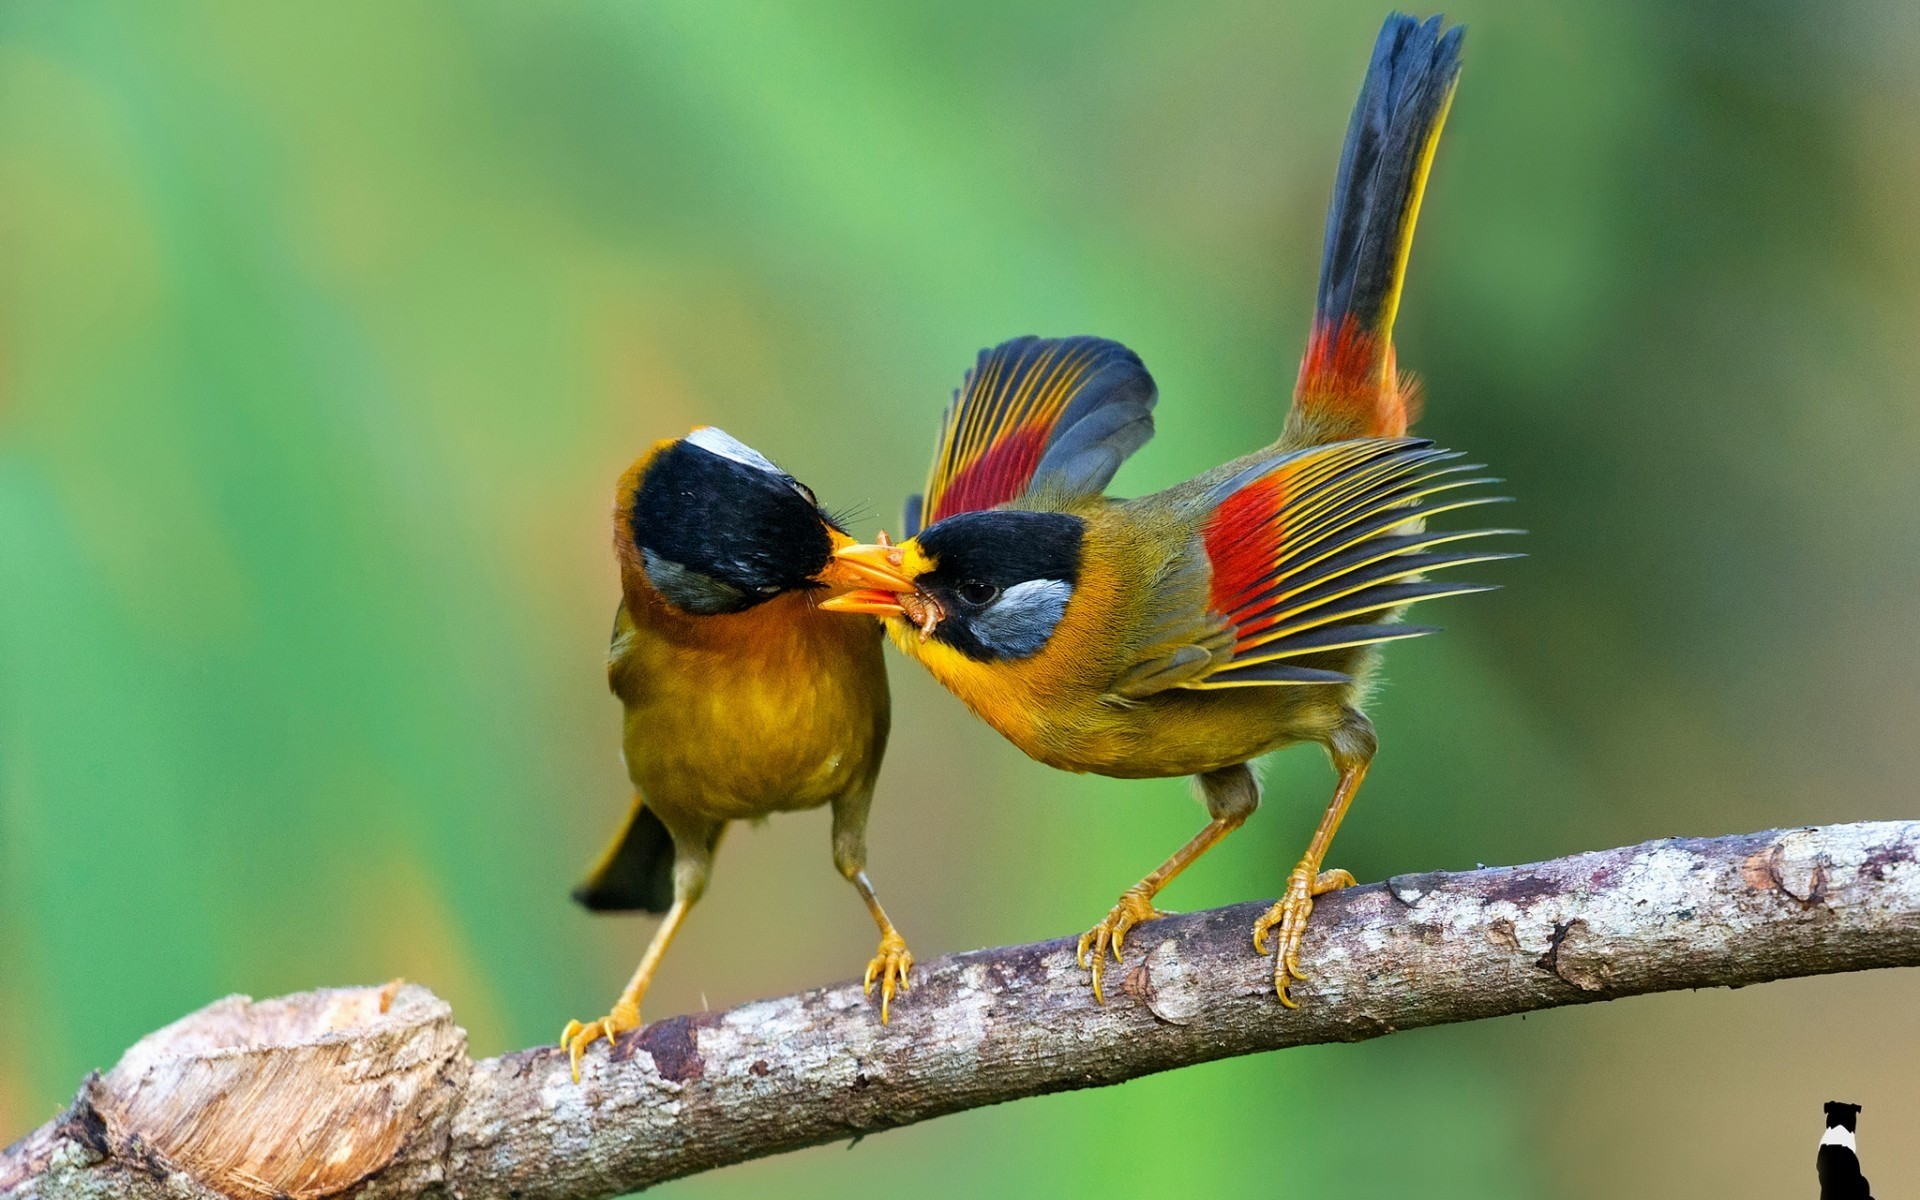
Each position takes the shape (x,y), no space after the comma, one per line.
(878,584)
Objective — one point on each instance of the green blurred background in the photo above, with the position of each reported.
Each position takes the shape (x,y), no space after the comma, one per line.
(327,329)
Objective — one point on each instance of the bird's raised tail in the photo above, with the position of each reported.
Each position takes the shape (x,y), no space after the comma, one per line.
(636,872)
(1349,386)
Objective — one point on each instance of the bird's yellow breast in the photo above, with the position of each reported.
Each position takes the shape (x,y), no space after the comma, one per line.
(781,707)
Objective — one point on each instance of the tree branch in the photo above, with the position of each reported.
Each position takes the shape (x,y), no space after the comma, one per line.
(330,1092)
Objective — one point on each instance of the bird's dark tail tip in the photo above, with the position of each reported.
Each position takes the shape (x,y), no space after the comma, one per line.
(1389,149)
(636,872)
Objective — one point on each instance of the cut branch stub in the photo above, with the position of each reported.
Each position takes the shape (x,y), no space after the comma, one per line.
(300,1097)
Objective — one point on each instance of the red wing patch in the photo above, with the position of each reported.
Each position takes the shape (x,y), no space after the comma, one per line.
(1241,541)
(1036,412)
(996,475)
(1309,549)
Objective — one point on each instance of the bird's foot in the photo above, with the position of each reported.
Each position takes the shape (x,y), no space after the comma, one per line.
(1135,906)
(1290,913)
(577,1037)
(889,968)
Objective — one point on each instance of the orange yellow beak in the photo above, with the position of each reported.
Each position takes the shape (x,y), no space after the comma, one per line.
(877,584)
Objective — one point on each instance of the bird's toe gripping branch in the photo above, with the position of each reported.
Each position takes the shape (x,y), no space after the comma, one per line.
(578,1036)
(1135,906)
(890,968)
(1290,913)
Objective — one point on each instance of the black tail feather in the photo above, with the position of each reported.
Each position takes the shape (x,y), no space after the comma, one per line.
(636,873)
(1383,168)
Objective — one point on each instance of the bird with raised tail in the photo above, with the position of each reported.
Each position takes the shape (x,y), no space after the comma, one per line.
(1193,630)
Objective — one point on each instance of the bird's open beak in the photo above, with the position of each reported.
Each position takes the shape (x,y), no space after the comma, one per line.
(877,584)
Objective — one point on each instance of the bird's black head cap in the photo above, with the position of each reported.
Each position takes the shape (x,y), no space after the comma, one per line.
(1002,578)
(719,529)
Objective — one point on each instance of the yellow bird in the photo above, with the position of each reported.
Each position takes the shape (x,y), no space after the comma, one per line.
(1190,631)
(742,698)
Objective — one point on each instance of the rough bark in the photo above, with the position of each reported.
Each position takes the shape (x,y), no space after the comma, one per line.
(343,1093)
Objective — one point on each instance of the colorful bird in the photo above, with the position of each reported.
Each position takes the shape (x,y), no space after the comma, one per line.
(742,698)
(1190,631)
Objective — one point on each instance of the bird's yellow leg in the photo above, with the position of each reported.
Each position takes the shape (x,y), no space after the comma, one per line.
(1306,881)
(626,1010)
(1136,903)
(893,960)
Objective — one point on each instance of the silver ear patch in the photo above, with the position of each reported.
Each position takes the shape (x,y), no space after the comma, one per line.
(718,441)
(1023,618)
(689,590)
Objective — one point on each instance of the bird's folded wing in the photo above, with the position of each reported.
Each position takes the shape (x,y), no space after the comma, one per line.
(1319,550)
(1037,414)
(1184,641)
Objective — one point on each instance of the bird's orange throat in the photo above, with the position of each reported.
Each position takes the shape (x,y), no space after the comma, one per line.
(786,624)
(1001,694)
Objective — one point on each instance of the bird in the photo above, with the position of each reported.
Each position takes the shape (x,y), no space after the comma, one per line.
(1837,1162)
(1193,630)
(741,697)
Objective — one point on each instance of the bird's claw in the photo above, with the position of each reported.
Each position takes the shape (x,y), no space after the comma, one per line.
(889,968)
(1109,934)
(1290,913)
(578,1036)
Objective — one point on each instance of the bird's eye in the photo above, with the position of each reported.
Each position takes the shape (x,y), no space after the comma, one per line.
(975,594)
(768,589)
(805,492)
